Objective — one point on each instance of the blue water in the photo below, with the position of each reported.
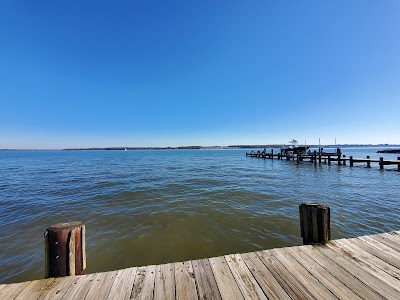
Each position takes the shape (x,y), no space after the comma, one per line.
(150,207)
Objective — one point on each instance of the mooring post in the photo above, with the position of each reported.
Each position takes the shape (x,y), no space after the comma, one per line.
(398,165)
(329,160)
(368,162)
(319,158)
(272,153)
(344,161)
(381,163)
(315,223)
(351,161)
(315,157)
(65,249)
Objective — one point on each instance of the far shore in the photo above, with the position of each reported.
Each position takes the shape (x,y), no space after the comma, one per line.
(209,147)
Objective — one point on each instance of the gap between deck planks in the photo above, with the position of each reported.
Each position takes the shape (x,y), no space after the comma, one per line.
(365,267)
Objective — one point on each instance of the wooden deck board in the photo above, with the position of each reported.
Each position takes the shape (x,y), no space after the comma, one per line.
(246,282)
(365,267)
(101,286)
(288,282)
(352,266)
(224,278)
(35,289)
(164,287)
(206,285)
(270,286)
(185,282)
(336,287)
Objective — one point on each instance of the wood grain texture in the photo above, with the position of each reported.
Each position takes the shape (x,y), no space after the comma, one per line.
(225,281)
(122,284)
(335,286)
(244,279)
(206,285)
(185,282)
(288,282)
(164,286)
(267,282)
(143,287)
(351,265)
(101,286)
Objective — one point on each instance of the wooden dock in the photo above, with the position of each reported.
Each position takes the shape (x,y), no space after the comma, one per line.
(324,158)
(366,267)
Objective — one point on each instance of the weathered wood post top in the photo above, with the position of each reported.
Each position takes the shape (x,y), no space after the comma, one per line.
(65,249)
(315,223)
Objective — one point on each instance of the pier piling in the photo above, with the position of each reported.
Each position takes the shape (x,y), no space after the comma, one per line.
(65,249)
(315,223)
(368,162)
(381,163)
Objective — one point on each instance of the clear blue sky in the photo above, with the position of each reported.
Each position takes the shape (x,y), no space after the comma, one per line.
(170,73)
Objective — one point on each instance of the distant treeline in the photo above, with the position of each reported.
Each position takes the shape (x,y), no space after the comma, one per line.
(227,147)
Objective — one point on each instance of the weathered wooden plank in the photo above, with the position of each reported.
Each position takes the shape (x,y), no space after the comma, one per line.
(36,289)
(288,282)
(206,285)
(367,265)
(272,289)
(387,240)
(58,288)
(245,280)
(352,267)
(336,287)
(164,287)
(80,287)
(123,283)
(377,251)
(302,275)
(10,291)
(357,286)
(225,281)
(143,288)
(101,286)
(372,259)
(184,281)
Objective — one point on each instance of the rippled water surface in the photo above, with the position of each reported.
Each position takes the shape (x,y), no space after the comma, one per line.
(151,207)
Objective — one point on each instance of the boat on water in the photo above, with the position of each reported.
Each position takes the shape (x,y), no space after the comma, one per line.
(294,148)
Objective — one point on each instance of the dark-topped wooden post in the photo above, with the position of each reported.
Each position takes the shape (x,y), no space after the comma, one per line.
(351,161)
(65,249)
(368,162)
(381,163)
(315,223)
(315,158)
(398,165)
(344,161)
(272,153)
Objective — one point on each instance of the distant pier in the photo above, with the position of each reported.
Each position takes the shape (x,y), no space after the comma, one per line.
(326,158)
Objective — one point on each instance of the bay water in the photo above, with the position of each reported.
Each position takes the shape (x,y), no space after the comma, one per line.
(146,207)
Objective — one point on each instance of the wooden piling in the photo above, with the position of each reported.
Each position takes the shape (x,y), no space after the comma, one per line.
(351,161)
(272,153)
(398,165)
(344,161)
(381,163)
(315,223)
(315,157)
(329,160)
(65,249)
(319,158)
(368,162)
